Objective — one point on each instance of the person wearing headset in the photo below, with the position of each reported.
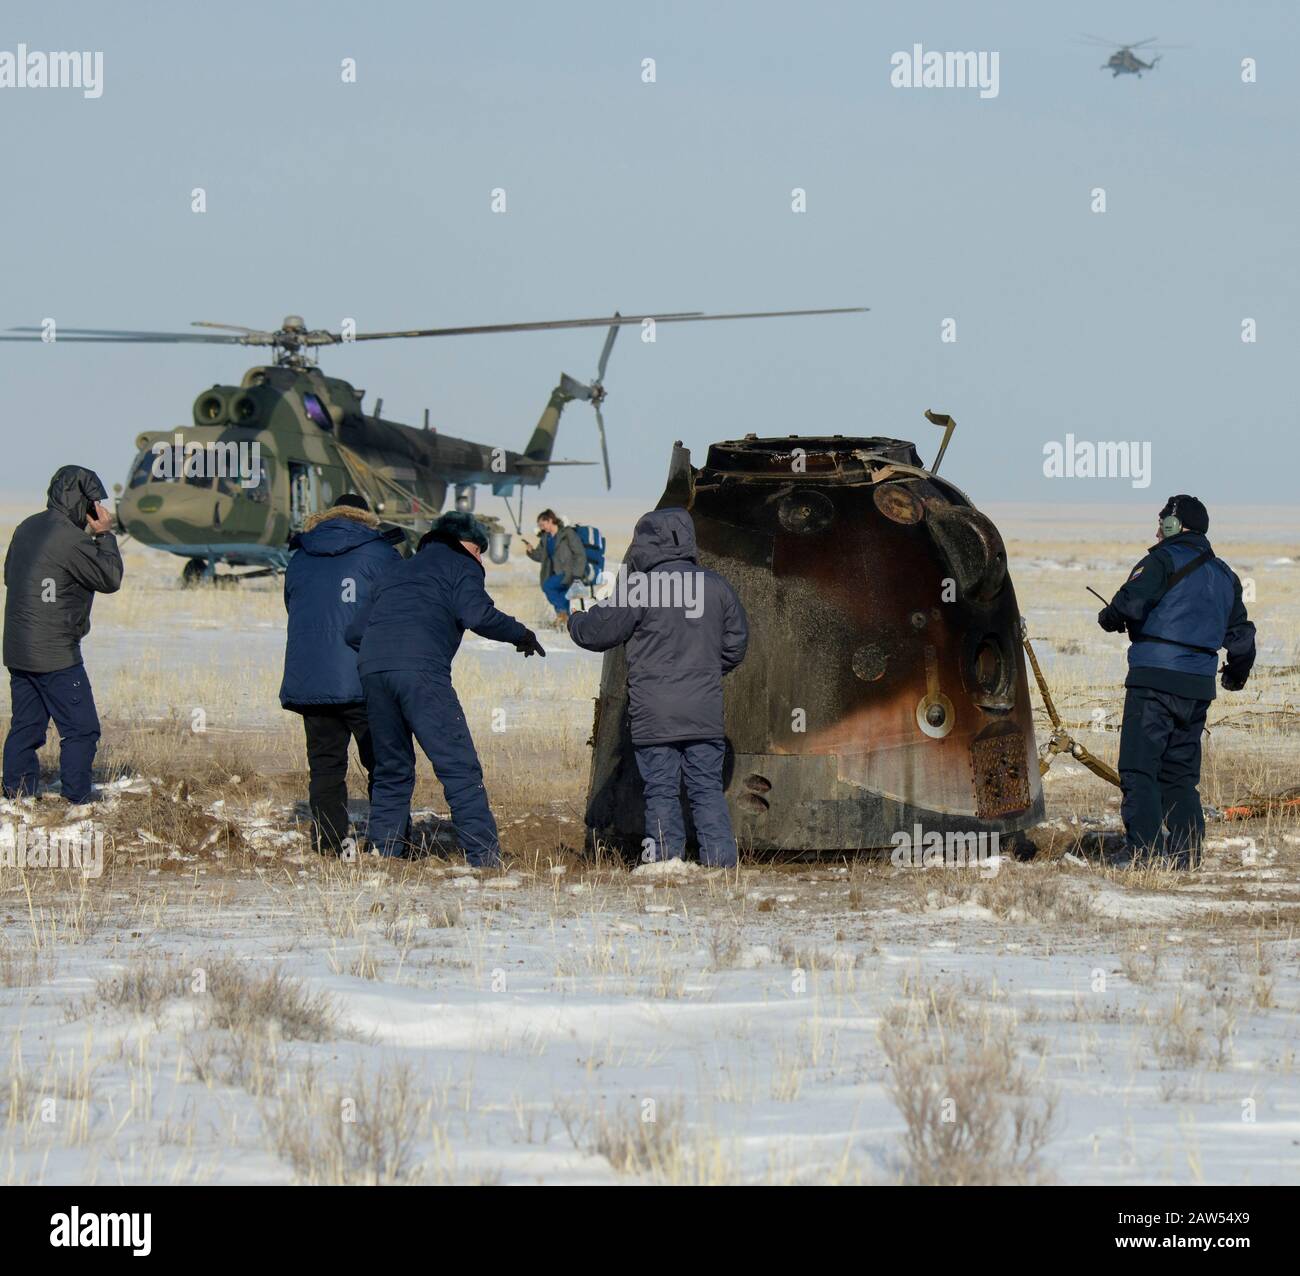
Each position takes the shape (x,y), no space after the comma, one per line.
(1181,605)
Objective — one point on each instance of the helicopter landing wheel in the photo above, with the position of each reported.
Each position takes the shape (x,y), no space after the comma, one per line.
(192,573)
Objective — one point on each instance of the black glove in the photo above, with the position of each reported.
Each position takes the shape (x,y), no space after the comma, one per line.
(1110,620)
(1231,681)
(530,646)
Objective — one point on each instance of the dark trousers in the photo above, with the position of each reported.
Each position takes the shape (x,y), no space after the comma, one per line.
(1160,768)
(663,768)
(401,703)
(65,696)
(330,729)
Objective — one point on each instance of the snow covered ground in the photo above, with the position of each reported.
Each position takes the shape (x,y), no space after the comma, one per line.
(222,1005)
(247,1012)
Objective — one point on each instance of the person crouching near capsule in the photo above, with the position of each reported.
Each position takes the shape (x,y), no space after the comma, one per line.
(1180,605)
(58,560)
(683,628)
(335,561)
(406,639)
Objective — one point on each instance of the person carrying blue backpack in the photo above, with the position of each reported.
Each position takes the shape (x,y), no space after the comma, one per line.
(563,559)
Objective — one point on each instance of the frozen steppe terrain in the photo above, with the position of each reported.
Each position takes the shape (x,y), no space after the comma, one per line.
(222,1005)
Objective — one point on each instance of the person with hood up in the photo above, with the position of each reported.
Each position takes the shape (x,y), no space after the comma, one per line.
(563,560)
(407,637)
(336,559)
(684,628)
(1181,605)
(57,562)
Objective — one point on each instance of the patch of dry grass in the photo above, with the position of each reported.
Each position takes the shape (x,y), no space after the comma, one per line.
(242,1000)
(144,986)
(24,968)
(648,1138)
(970,1115)
(362,1133)
(1198,1026)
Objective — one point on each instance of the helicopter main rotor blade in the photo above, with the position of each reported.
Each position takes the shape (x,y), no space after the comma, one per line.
(1151,39)
(604,448)
(604,362)
(603,322)
(124,336)
(297,339)
(1085,38)
(232,327)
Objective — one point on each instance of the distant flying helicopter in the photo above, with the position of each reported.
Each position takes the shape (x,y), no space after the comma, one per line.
(257,459)
(1124,61)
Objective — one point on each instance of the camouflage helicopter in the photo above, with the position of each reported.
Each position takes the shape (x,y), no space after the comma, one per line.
(1124,61)
(261,456)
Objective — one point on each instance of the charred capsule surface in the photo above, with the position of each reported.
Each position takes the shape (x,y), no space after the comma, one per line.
(884,687)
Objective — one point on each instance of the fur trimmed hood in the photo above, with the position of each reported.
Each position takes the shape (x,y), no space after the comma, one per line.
(364,517)
(341,529)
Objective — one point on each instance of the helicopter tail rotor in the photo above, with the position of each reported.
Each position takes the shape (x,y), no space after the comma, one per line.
(604,449)
(574,389)
(598,397)
(594,393)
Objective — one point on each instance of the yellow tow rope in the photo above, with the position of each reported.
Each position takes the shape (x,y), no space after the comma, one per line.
(1061,741)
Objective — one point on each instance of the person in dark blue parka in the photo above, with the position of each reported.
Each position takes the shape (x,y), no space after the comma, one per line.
(684,628)
(335,562)
(1181,606)
(406,638)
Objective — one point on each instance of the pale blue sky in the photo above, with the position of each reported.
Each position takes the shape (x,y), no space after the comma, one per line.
(372,201)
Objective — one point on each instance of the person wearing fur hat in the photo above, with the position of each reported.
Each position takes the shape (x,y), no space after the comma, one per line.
(1181,606)
(335,562)
(407,637)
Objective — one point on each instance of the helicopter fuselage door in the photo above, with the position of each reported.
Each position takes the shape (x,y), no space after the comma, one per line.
(303,493)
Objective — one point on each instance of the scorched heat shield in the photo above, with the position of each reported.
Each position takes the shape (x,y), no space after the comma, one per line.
(884,686)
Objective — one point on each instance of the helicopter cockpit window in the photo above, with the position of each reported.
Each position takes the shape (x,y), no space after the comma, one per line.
(141,469)
(259,491)
(148,461)
(316,412)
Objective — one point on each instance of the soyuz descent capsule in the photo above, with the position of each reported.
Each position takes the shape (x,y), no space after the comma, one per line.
(884,687)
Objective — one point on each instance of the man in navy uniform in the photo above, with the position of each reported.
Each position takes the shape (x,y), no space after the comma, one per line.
(407,635)
(1181,605)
